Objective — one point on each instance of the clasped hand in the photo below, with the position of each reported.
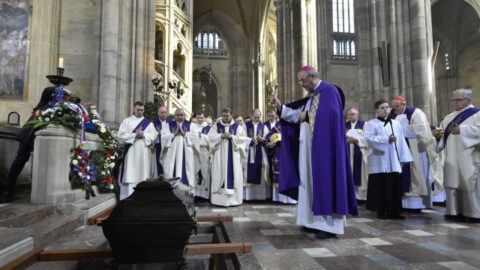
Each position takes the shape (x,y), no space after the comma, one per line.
(392,138)
(139,134)
(179,131)
(226,135)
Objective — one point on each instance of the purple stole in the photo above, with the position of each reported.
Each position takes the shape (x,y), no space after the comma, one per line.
(141,126)
(185,127)
(333,187)
(458,120)
(158,144)
(206,129)
(274,155)
(357,155)
(254,170)
(230,175)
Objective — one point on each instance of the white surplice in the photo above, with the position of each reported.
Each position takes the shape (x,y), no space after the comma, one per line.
(137,163)
(305,217)
(261,191)
(220,194)
(176,150)
(202,160)
(462,166)
(360,191)
(383,156)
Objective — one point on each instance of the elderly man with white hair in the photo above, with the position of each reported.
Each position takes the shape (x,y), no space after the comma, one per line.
(461,145)
(358,153)
(257,184)
(177,157)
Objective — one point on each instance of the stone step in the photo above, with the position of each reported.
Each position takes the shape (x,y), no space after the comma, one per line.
(49,229)
(23,213)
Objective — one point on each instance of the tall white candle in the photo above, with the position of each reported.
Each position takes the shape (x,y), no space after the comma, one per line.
(60,62)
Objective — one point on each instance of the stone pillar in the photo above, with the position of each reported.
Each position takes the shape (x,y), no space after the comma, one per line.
(323,39)
(364,59)
(106,93)
(44,43)
(419,56)
(311,31)
(51,165)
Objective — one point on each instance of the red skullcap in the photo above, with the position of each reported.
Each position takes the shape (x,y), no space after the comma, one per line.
(400,98)
(307,68)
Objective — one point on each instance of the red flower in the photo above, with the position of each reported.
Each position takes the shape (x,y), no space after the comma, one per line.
(107,179)
(88,103)
(79,150)
(109,154)
(114,181)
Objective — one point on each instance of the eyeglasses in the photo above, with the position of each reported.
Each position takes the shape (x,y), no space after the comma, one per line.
(303,80)
(457,99)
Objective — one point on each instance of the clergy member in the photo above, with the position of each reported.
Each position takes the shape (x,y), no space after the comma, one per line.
(257,185)
(387,152)
(138,134)
(273,141)
(227,143)
(202,156)
(326,192)
(416,180)
(358,152)
(177,157)
(461,144)
(161,125)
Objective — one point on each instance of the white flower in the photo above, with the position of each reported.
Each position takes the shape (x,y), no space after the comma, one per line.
(74,162)
(111,186)
(103,172)
(88,177)
(80,174)
(40,119)
(88,169)
(79,157)
(111,165)
(47,119)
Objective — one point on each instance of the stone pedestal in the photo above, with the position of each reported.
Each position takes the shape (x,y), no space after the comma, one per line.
(51,164)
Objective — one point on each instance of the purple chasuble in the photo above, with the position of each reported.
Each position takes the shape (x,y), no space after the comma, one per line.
(254,170)
(230,175)
(357,155)
(141,126)
(157,123)
(185,127)
(333,187)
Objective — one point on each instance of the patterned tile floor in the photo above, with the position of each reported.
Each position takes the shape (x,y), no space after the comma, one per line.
(422,241)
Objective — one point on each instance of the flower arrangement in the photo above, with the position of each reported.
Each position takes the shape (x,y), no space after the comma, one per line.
(83,172)
(57,115)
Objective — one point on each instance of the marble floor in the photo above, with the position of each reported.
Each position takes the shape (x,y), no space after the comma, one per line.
(423,240)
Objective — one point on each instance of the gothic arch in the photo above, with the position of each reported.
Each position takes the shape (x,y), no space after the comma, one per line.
(475,4)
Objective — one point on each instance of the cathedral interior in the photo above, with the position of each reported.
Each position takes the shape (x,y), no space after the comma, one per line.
(205,55)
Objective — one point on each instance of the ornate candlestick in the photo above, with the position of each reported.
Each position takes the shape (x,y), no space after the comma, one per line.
(59,80)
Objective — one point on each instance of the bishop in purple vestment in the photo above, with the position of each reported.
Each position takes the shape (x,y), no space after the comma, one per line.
(323,178)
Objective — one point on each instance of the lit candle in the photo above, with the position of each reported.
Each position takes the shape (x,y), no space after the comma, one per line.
(60,62)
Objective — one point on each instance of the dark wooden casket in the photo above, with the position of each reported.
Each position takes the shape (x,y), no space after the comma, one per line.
(152,225)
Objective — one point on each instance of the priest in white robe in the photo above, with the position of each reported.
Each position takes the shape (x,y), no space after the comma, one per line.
(416,176)
(202,156)
(461,145)
(257,184)
(161,125)
(227,143)
(387,153)
(138,135)
(314,142)
(177,157)
(358,153)
(273,149)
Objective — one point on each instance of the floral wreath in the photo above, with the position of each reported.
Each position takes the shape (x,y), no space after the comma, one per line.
(87,167)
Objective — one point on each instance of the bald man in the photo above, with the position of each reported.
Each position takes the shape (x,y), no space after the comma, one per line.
(161,126)
(177,157)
